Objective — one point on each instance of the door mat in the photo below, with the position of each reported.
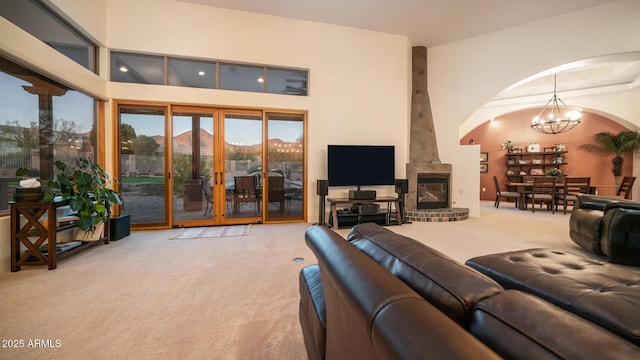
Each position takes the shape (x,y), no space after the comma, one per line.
(212,232)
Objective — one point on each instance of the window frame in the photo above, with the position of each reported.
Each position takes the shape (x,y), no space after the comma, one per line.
(218,64)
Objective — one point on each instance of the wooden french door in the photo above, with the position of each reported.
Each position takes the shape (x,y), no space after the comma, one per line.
(193,166)
(284,196)
(262,163)
(199,166)
(240,181)
(143,175)
(216,166)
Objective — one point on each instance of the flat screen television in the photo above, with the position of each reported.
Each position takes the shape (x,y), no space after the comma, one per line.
(361,165)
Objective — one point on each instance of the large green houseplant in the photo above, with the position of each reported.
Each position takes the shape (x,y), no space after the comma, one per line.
(87,186)
(624,141)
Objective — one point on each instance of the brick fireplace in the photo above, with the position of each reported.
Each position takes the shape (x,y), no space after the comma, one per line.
(429,196)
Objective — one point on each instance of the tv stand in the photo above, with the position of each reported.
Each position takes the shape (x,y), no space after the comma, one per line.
(346,218)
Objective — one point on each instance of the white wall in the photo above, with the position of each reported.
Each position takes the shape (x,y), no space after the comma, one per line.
(466,74)
(359,80)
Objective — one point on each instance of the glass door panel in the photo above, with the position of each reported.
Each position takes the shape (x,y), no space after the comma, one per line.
(284,196)
(142,163)
(242,185)
(192,166)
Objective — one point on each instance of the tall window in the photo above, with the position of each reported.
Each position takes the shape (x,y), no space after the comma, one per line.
(41,121)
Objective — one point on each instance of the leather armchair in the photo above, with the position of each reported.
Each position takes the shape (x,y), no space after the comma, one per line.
(608,227)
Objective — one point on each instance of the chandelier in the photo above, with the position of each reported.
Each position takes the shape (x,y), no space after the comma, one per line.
(556,117)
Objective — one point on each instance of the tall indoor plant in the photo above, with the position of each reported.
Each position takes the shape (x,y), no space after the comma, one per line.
(87,186)
(625,141)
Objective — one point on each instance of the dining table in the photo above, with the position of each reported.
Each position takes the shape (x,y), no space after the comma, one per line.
(523,186)
(522,190)
(596,189)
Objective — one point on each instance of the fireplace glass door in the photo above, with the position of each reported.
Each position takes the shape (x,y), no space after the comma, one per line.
(433,191)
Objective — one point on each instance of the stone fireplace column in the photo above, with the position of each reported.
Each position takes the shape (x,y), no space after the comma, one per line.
(423,147)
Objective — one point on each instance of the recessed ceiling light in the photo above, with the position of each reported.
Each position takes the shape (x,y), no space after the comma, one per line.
(260,80)
(201,73)
(123,69)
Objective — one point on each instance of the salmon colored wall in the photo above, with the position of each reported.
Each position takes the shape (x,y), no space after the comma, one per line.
(516,127)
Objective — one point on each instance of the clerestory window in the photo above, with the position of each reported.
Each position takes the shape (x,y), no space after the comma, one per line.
(208,74)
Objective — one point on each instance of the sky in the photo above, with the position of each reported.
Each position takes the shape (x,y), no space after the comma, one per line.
(22,106)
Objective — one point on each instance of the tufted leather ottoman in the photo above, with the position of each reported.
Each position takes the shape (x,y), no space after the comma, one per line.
(604,293)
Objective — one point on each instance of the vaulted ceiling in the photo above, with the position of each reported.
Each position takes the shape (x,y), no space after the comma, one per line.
(435,22)
(426,22)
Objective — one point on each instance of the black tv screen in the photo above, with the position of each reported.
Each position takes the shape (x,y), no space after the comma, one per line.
(357,165)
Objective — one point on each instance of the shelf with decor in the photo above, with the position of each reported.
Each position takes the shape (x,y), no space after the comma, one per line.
(534,161)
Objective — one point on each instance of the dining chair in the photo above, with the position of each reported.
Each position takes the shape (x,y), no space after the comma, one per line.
(572,187)
(504,194)
(625,187)
(208,195)
(526,190)
(543,190)
(244,191)
(276,191)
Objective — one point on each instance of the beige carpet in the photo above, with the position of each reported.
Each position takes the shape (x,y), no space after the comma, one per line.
(212,232)
(146,297)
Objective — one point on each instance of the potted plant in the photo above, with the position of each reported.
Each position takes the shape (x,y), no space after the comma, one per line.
(625,141)
(87,187)
(555,173)
(508,145)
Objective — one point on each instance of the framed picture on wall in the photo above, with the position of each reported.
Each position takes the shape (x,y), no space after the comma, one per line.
(484,156)
(484,168)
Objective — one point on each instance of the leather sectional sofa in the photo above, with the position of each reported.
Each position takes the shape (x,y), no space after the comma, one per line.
(608,227)
(381,295)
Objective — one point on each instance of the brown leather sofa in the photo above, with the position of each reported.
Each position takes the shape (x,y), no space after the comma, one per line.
(381,295)
(608,227)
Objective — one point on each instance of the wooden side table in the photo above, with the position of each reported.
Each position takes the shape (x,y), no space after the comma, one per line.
(33,234)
